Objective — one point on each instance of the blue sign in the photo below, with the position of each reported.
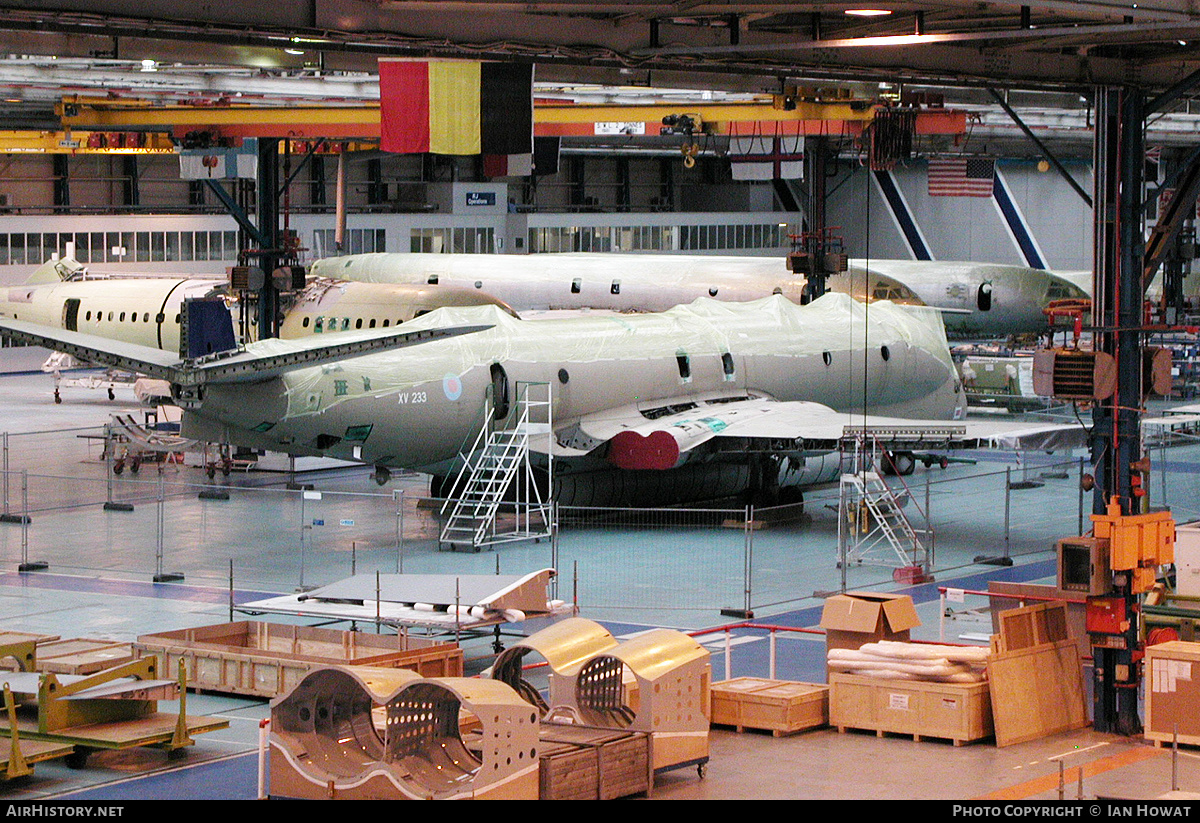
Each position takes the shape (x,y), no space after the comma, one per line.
(481,198)
(318,522)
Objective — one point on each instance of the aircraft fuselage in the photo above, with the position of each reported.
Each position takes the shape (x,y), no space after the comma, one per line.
(420,408)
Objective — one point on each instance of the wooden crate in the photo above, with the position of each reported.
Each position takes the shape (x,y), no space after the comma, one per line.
(779,706)
(583,763)
(268,659)
(961,712)
(1036,692)
(1173,692)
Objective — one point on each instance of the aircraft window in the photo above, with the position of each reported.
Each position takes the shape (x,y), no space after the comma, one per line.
(319,325)
(158,318)
(712,292)
(121,317)
(880,293)
(685,366)
(178,318)
(984,298)
(479,284)
(1057,291)
(563,376)
(777,290)
(358,323)
(616,287)
(345,323)
(827,357)
(371,325)
(576,286)
(146,317)
(305,322)
(433,279)
(499,391)
(133,317)
(727,364)
(386,322)
(885,353)
(88,316)
(418,314)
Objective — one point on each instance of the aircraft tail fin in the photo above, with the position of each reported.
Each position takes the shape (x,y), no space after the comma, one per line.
(54,271)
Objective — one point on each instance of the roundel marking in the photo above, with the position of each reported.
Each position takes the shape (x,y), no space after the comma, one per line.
(452,387)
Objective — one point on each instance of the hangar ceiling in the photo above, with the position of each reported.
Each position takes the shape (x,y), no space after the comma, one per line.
(1046,56)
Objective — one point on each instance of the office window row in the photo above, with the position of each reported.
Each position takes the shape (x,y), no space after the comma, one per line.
(660,238)
(354,241)
(35,248)
(476,240)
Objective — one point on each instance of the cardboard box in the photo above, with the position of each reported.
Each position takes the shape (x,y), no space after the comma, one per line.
(855,618)
(779,706)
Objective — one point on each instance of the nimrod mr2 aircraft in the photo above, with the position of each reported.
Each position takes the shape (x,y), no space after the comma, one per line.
(147,310)
(976,299)
(701,401)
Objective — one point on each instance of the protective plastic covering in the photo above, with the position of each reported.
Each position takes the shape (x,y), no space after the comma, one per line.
(770,326)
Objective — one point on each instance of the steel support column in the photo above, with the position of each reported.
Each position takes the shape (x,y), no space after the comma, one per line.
(1117,314)
(268,230)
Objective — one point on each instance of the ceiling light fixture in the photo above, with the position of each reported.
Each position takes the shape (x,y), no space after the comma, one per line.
(868,12)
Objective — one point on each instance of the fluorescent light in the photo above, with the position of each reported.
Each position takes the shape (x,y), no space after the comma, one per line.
(868,12)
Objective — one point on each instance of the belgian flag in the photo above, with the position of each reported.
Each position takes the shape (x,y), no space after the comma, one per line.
(455,107)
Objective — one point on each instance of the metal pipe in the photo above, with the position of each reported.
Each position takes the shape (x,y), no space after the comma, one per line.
(1049,155)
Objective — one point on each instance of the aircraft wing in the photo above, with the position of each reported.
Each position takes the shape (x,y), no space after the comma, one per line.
(762,424)
(261,362)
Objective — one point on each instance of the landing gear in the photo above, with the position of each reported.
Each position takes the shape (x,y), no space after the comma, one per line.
(381,475)
(899,463)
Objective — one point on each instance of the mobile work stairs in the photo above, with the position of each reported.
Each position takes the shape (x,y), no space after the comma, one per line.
(477,513)
(873,527)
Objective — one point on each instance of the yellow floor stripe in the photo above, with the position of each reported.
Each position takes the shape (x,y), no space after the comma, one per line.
(1049,782)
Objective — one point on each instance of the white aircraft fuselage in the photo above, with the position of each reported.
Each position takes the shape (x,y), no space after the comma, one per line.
(421,407)
(978,299)
(146,310)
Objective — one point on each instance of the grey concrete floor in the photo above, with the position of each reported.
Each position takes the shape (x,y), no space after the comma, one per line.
(652,571)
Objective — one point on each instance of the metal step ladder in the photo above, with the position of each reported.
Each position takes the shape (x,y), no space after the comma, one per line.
(498,459)
(879,531)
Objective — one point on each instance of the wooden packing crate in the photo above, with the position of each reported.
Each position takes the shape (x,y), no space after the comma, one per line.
(961,712)
(779,706)
(583,763)
(267,659)
(1172,691)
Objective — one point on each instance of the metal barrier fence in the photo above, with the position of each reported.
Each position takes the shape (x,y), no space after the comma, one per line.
(669,566)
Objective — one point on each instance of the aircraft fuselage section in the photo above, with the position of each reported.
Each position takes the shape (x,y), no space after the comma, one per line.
(421,407)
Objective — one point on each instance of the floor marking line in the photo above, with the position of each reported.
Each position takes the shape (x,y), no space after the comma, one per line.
(1057,757)
(1049,782)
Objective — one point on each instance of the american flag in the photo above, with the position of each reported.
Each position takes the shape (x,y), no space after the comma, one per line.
(962,177)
